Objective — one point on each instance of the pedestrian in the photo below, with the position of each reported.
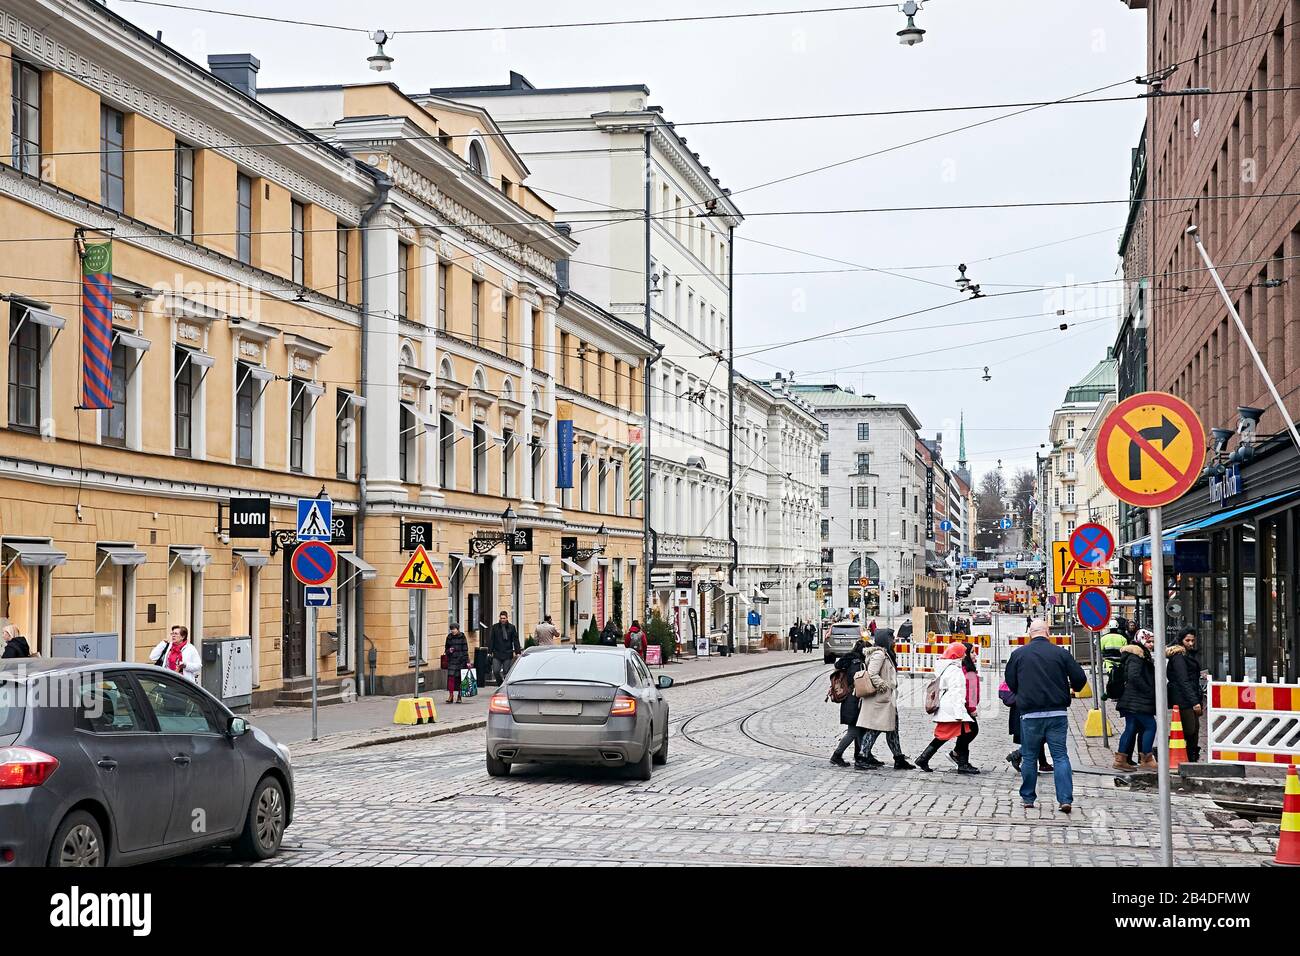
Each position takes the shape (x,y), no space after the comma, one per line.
(177,654)
(1042,675)
(15,645)
(609,635)
(1013,726)
(545,633)
(905,630)
(503,642)
(878,712)
(1184,671)
(1029,619)
(1137,702)
(850,664)
(457,651)
(796,633)
(954,720)
(872,627)
(636,639)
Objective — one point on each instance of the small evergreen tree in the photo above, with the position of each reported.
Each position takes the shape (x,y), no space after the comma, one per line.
(592,634)
(658,632)
(618,606)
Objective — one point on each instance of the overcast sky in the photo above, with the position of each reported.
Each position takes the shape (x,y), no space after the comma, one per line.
(975,52)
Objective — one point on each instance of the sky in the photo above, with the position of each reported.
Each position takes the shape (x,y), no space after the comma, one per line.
(975,52)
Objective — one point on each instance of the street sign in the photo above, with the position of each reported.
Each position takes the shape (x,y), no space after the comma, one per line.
(1004,523)
(318,596)
(754,619)
(1063,566)
(945,525)
(1092,545)
(814,584)
(520,540)
(250,518)
(344,531)
(1093,609)
(313,562)
(1009,565)
(417,534)
(863,582)
(419,574)
(315,519)
(1130,463)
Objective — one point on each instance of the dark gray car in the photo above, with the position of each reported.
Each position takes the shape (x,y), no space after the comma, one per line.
(113,763)
(579,704)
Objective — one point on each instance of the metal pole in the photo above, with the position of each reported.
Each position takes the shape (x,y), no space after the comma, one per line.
(646,471)
(315,680)
(1162,690)
(1241,327)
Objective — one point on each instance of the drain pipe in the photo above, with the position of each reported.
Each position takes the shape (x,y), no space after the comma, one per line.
(731,440)
(382,185)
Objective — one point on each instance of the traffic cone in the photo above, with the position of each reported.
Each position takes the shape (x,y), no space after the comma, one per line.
(1288,841)
(1177,745)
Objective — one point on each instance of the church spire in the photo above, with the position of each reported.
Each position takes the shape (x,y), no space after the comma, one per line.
(961,448)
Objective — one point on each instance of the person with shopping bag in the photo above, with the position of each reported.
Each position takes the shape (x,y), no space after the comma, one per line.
(457,653)
(875,686)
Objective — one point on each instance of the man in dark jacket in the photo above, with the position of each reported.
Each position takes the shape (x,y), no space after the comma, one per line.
(1184,671)
(503,642)
(796,634)
(1042,675)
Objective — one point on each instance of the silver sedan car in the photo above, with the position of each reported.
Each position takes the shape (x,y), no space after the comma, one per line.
(579,704)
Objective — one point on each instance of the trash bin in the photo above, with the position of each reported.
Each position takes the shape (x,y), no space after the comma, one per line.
(482,665)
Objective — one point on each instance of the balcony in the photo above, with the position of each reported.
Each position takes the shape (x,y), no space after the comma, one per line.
(1068,508)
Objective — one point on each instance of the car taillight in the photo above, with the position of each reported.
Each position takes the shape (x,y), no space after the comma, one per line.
(499,704)
(24,767)
(623,706)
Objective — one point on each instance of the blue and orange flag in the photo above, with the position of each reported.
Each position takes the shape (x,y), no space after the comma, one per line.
(97,326)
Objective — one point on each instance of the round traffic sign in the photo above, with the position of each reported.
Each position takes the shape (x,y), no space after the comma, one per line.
(1092,544)
(1150,449)
(1093,609)
(863,582)
(313,562)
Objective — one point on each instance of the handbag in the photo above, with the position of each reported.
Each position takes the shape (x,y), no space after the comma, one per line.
(468,683)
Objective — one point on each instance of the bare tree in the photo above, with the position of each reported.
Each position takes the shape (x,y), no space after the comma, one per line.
(990,506)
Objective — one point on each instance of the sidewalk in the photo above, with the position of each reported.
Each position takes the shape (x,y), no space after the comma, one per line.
(369,721)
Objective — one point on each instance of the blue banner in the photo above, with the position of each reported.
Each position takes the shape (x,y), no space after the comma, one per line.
(564,458)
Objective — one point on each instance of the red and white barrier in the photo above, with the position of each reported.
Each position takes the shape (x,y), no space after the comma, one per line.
(1253,723)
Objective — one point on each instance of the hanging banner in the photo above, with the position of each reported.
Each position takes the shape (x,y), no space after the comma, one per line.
(564,439)
(635,473)
(97,325)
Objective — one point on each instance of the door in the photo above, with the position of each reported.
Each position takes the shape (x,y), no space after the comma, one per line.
(129,760)
(293,647)
(207,770)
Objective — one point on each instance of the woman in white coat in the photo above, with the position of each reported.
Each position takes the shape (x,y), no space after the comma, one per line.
(178,654)
(958,702)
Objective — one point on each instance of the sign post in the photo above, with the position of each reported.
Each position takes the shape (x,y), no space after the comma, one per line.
(1143,475)
(313,563)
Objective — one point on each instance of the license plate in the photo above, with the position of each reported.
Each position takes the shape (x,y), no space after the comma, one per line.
(561,708)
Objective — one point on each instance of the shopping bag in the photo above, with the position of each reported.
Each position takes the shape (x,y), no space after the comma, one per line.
(468,682)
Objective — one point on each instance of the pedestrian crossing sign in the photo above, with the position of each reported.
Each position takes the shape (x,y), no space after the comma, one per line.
(315,519)
(419,573)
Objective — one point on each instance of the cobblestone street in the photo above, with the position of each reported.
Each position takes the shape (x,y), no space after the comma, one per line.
(747,782)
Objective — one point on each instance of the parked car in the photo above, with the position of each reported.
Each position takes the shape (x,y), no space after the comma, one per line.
(840,639)
(963,606)
(579,704)
(113,763)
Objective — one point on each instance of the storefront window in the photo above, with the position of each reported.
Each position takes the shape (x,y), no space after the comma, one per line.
(415,626)
(1247,569)
(20,596)
(1276,595)
(109,598)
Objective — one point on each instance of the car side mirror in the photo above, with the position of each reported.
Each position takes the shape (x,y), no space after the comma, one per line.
(237,727)
(664,682)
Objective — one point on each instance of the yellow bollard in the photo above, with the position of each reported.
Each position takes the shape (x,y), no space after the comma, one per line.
(1086,693)
(415,710)
(1092,726)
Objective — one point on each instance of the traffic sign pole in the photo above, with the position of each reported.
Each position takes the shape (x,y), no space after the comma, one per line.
(315,670)
(1162,690)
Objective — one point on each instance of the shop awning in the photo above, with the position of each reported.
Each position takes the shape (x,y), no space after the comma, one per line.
(464,564)
(251,557)
(35,554)
(360,568)
(574,569)
(194,558)
(122,555)
(1141,548)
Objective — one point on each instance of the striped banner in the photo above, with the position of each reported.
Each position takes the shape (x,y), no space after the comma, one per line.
(97,326)
(635,473)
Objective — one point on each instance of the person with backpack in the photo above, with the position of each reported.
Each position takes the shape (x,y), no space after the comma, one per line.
(1136,677)
(1042,675)
(948,699)
(878,712)
(842,690)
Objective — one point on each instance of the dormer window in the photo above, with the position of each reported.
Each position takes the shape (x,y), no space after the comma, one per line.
(477,161)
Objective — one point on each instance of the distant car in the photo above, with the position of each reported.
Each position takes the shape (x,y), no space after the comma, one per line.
(579,705)
(841,638)
(963,605)
(981,616)
(111,763)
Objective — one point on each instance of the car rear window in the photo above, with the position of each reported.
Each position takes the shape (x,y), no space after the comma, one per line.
(12,708)
(567,665)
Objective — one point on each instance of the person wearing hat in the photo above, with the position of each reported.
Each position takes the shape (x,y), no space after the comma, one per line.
(1042,675)
(1137,703)
(457,650)
(955,718)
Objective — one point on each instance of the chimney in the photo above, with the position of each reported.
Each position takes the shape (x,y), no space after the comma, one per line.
(237,69)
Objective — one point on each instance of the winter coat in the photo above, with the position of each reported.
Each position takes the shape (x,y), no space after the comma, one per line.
(636,639)
(880,710)
(609,636)
(457,650)
(952,692)
(503,639)
(1008,697)
(545,634)
(1184,673)
(905,631)
(1041,675)
(1139,695)
(191,663)
(1111,645)
(850,664)
(16,647)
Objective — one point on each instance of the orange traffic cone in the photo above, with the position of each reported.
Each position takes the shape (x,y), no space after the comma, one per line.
(1288,842)
(1177,745)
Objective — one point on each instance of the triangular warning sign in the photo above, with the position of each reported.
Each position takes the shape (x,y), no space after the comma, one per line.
(419,573)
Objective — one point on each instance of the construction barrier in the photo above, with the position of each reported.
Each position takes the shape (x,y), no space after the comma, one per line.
(903,654)
(927,653)
(1060,640)
(1288,839)
(415,710)
(1253,723)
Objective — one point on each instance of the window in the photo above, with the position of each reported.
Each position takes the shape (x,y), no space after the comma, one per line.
(300,403)
(342,239)
(826,529)
(112,176)
(23,594)
(477,162)
(246,395)
(602,475)
(826,497)
(178,709)
(538,461)
(863,497)
(24,370)
(864,462)
(244,221)
(862,529)
(344,430)
(505,324)
(184,191)
(479,469)
(826,463)
(476,295)
(447,451)
(113,708)
(443,278)
(25,117)
(1069,428)
(183,409)
(1069,462)
(298,216)
(406,431)
(584,483)
(507,463)
(112,423)
(403,277)
(864,431)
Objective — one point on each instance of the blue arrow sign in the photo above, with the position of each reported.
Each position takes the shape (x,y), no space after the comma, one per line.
(1009,565)
(322,596)
(945,525)
(1004,523)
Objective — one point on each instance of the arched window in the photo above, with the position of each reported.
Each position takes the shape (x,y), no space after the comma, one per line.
(477,161)
(480,380)
(445,370)
(407,355)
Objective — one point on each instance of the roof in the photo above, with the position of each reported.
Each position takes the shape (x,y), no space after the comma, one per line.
(837,396)
(1103,378)
(520,84)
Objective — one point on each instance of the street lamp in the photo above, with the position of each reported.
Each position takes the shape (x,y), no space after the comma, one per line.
(380,61)
(911,34)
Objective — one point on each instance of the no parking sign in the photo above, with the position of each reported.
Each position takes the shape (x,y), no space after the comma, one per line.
(1093,609)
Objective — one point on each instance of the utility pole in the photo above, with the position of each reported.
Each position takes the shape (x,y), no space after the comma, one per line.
(647,552)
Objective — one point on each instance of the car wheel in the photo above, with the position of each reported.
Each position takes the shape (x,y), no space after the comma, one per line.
(641,770)
(496,767)
(78,842)
(661,757)
(265,823)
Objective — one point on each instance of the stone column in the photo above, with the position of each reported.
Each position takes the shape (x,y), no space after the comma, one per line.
(382,419)
(430,478)
(549,304)
(529,302)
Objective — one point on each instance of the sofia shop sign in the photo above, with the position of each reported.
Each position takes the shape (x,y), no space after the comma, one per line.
(1227,486)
